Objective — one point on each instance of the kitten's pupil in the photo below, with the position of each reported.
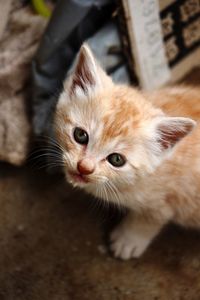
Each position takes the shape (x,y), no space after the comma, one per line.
(81,136)
(116,159)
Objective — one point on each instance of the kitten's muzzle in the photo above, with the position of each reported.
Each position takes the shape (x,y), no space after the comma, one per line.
(85,166)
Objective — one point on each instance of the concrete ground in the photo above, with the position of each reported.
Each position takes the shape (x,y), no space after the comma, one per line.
(53,247)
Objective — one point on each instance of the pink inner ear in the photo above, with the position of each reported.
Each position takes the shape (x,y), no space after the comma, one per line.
(82,76)
(171,135)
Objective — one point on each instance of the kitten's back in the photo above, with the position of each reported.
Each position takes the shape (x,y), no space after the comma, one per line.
(182,101)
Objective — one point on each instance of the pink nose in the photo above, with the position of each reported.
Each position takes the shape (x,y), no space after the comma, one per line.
(85,166)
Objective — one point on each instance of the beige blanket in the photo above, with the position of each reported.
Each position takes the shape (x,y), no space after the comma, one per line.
(20,32)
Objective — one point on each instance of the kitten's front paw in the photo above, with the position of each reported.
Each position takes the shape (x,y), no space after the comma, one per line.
(125,244)
(131,241)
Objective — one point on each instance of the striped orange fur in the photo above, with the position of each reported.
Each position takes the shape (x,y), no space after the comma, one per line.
(157,136)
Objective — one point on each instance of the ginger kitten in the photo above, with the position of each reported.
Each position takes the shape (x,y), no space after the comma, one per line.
(135,149)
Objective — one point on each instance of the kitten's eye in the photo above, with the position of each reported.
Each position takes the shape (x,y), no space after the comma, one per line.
(116,159)
(81,136)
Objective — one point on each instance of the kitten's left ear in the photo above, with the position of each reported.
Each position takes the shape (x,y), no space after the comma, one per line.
(170,130)
(87,75)
(164,133)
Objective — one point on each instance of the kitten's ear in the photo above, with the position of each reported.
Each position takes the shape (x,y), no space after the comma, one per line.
(163,134)
(87,74)
(170,130)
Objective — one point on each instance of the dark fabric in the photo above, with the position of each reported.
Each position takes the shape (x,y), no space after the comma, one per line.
(72,22)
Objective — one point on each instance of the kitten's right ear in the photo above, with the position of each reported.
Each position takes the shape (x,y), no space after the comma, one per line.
(87,75)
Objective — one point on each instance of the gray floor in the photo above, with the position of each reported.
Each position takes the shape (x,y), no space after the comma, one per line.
(53,247)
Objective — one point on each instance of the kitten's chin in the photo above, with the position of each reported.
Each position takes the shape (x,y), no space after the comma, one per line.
(77,180)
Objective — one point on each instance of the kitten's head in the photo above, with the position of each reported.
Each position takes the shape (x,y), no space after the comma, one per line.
(111,135)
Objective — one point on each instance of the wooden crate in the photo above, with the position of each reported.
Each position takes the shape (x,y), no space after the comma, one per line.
(163,38)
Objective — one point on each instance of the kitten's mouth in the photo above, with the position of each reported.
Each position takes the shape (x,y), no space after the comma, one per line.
(78,178)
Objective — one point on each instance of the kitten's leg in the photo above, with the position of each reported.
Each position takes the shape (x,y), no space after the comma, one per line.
(133,236)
